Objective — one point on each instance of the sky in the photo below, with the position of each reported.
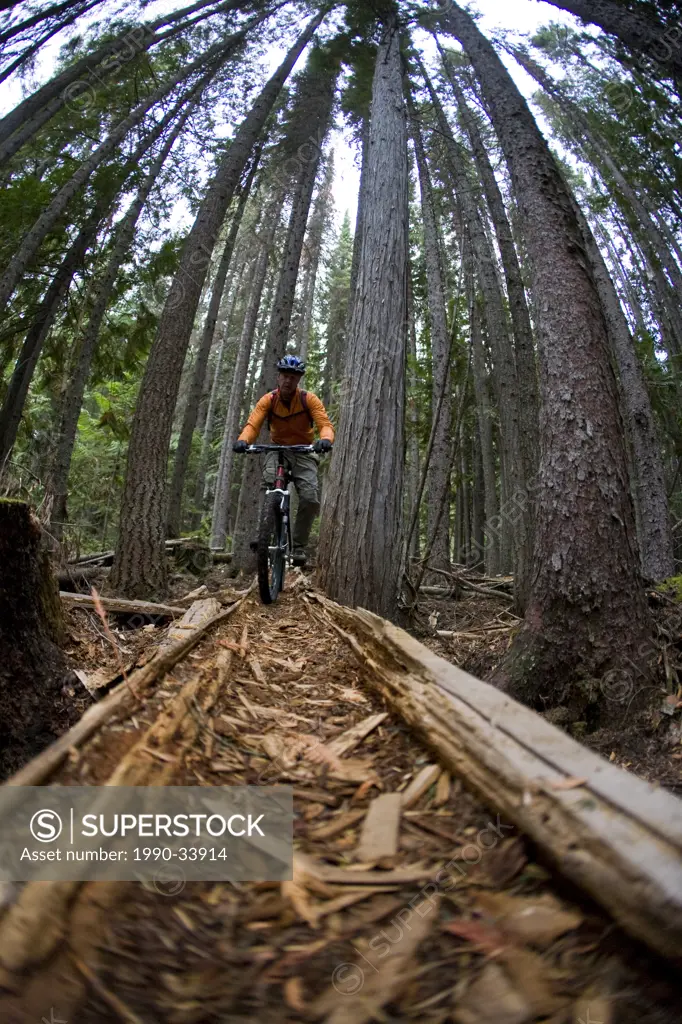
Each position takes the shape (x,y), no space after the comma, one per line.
(516,15)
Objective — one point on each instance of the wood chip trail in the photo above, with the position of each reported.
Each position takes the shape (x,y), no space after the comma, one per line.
(410,899)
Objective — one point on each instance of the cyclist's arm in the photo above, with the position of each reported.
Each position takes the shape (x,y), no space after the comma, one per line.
(255,421)
(320,417)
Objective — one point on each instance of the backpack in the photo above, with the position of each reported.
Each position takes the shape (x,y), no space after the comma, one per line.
(304,403)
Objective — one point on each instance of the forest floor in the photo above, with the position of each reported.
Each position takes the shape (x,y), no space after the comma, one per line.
(482,628)
(507,944)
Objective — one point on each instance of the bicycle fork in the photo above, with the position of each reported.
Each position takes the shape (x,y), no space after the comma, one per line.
(280,488)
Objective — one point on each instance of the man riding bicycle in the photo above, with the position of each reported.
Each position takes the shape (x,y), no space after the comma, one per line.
(291,415)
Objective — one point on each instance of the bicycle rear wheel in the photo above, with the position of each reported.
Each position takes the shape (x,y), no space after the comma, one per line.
(272,549)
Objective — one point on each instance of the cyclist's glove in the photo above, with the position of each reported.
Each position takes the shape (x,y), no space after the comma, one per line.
(323,445)
(239,447)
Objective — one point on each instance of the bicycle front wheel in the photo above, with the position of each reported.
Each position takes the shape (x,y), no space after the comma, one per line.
(272,549)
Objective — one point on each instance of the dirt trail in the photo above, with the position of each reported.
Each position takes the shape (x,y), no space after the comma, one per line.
(269,696)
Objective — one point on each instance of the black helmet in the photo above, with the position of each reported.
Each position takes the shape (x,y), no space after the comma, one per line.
(291,364)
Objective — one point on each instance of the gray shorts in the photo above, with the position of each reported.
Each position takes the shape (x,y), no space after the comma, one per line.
(303,468)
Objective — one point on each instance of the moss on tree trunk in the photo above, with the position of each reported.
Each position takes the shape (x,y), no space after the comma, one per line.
(33,669)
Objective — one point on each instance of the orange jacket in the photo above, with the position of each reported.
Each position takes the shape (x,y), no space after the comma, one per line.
(289,425)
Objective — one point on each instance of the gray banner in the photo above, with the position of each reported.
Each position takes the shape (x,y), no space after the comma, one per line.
(146,833)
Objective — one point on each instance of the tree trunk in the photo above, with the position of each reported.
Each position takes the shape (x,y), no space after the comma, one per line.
(72,8)
(73,398)
(629,297)
(438,480)
(587,612)
(359,218)
(23,122)
(485,429)
(223,489)
(29,53)
(475,552)
(360,550)
(526,366)
(413,462)
(645,223)
(313,252)
(645,35)
(189,419)
(518,526)
(139,568)
(34,237)
(202,491)
(34,707)
(13,406)
(319,109)
(648,483)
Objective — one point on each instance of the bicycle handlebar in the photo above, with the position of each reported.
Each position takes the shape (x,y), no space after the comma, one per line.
(256,449)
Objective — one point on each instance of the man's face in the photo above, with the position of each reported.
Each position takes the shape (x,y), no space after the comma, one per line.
(287,384)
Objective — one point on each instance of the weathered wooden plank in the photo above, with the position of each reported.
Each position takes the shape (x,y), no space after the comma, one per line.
(653,806)
(352,737)
(193,618)
(616,836)
(419,784)
(379,834)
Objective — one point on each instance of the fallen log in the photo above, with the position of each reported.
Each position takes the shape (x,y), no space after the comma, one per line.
(107,557)
(117,604)
(615,835)
(76,576)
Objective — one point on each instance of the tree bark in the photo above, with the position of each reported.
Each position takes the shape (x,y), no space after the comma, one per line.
(139,568)
(413,461)
(648,483)
(360,551)
(587,612)
(34,707)
(73,398)
(438,480)
(359,216)
(473,555)
(189,419)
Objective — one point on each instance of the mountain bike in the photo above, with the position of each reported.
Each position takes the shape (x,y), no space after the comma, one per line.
(273,547)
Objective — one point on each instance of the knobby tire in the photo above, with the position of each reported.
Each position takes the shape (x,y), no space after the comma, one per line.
(270,574)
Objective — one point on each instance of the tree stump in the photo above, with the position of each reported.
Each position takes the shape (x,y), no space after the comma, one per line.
(34,708)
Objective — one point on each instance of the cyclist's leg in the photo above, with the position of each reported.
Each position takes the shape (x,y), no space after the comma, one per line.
(304,471)
(269,470)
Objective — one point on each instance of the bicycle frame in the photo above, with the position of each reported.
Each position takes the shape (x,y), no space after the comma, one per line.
(282,479)
(281,487)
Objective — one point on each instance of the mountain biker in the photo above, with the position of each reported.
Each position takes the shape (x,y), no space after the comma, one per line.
(291,415)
